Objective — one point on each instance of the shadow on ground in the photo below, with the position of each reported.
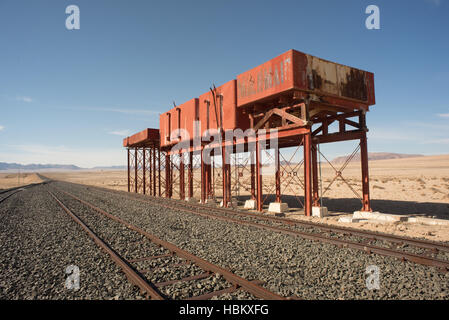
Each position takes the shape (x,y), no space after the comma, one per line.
(349,205)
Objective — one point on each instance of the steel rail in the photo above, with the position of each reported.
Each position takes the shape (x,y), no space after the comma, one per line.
(9,195)
(23,187)
(18,189)
(425,244)
(420,243)
(237,281)
(132,275)
(404,256)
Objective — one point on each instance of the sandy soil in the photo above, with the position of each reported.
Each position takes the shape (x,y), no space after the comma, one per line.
(11,180)
(412,187)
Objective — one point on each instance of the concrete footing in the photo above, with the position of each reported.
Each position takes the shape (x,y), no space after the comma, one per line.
(378,216)
(233,203)
(320,212)
(250,204)
(278,208)
(428,221)
(348,220)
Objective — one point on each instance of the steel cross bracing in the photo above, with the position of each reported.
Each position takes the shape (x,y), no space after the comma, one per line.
(193,173)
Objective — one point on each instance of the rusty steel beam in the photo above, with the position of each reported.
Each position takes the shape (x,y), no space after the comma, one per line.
(154,170)
(336,137)
(203,178)
(365,173)
(159,170)
(307,175)
(129,174)
(135,170)
(144,170)
(224,177)
(170,186)
(277,175)
(167,175)
(213,176)
(315,191)
(190,175)
(181,177)
(208,171)
(253,177)
(259,179)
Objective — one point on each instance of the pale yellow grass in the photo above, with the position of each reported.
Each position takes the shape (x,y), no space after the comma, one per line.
(11,180)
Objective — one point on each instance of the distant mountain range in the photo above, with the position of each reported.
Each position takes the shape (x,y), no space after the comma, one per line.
(377,156)
(38,167)
(61,167)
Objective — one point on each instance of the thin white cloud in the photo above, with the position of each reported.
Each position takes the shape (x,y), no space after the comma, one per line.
(439,141)
(123,133)
(1,128)
(24,99)
(144,112)
(443,115)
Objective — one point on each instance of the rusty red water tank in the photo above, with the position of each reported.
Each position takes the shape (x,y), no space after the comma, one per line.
(177,124)
(296,71)
(144,137)
(223,111)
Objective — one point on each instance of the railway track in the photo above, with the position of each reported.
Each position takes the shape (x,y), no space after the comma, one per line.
(177,258)
(5,194)
(402,248)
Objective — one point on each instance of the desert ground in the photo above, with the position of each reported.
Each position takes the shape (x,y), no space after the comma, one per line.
(411,187)
(11,180)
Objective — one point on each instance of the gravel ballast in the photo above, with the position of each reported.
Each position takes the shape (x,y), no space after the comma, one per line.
(39,241)
(288,265)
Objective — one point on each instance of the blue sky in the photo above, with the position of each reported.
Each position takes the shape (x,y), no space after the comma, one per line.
(69,96)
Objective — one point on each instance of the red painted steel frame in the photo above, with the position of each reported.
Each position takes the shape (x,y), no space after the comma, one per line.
(315,193)
(289,93)
(307,175)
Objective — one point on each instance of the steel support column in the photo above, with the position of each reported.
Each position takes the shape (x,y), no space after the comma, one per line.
(190,175)
(315,191)
(228,178)
(207,175)
(181,177)
(203,178)
(154,171)
(129,177)
(253,176)
(259,178)
(307,175)
(277,175)
(135,170)
(167,176)
(144,170)
(365,173)
(171,165)
(223,170)
(159,170)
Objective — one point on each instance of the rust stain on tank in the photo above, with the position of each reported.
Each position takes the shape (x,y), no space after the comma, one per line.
(317,81)
(355,86)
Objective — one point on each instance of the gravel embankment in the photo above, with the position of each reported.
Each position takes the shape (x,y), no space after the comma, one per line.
(288,265)
(131,245)
(38,242)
